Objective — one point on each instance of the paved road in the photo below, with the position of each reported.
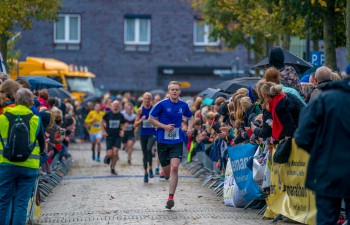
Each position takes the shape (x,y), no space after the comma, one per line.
(90,195)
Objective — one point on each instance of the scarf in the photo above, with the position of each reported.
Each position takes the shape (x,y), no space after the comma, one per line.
(277,127)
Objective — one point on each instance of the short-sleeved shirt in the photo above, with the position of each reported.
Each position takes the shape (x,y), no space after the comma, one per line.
(130,119)
(95,126)
(168,112)
(113,123)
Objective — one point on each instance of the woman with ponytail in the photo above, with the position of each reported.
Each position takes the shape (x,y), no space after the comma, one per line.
(284,110)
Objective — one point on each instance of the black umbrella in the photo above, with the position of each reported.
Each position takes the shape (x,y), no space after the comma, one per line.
(59,93)
(231,86)
(40,82)
(213,93)
(290,59)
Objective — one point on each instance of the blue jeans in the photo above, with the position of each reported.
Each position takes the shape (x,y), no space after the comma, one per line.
(17,182)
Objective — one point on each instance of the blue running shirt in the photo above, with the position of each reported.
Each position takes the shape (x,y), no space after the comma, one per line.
(168,112)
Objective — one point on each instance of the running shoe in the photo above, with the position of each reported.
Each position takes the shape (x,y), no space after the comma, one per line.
(170,204)
(98,159)
(107,160)
(145,179)
(129,162)
(150,172)
(161,175)
(156,171)
(113,172)
(93,156)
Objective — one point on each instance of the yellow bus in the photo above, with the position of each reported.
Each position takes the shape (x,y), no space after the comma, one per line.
(75,79)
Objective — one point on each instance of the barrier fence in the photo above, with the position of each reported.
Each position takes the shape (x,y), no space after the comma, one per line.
(288,196)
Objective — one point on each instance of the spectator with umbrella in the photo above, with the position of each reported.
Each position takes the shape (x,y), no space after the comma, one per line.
(289,76)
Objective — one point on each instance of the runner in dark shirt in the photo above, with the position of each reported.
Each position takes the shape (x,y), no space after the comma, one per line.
(113,126)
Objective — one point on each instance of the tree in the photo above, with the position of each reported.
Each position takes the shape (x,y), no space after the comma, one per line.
(19,14)
(275,21)
(332,15)
(251,23)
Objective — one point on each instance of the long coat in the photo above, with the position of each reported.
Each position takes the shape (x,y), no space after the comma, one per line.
(324,131)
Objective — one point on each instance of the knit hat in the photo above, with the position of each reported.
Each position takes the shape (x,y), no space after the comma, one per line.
(276,57)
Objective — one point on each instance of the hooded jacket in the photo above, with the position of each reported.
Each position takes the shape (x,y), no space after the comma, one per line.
(324,132)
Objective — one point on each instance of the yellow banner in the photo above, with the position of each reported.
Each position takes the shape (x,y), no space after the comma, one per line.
(289,197)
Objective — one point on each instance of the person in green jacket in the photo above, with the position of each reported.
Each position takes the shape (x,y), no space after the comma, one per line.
(17,178)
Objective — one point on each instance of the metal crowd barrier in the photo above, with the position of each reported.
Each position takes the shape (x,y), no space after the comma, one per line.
(45,184)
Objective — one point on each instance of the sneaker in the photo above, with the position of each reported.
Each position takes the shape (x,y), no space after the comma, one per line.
(167,178)
(150,172)
(161,175)
(170,204)
(93,156)
(113,172)
(98,159)
(129,162)
(145,179)
(156,171)
(106,160)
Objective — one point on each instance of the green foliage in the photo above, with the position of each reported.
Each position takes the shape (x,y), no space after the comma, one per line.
(19,14)
(237,21)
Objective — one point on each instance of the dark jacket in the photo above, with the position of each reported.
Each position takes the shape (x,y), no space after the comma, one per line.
(250,115)
(317,91)
(288,110)
(324,132)
(265,131)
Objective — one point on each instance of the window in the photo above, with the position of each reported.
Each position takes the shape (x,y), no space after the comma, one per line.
(201,35)
(80,84)
(67,32)
(137,33)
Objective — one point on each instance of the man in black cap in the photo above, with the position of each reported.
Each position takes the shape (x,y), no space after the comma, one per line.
(289,76)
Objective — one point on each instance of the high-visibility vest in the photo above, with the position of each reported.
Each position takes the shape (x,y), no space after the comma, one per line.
(34,123)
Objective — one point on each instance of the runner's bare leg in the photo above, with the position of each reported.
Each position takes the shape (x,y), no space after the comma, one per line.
(114,157)
(174,163)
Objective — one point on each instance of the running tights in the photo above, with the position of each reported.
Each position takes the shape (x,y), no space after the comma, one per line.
(147,142)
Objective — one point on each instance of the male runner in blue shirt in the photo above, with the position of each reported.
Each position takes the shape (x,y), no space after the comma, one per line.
(167,116)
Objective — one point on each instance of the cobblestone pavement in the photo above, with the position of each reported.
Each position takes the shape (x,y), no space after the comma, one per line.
(90,195)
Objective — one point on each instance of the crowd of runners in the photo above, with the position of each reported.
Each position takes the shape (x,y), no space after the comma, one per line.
(157,122)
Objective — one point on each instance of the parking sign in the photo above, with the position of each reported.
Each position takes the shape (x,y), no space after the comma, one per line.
(317,58)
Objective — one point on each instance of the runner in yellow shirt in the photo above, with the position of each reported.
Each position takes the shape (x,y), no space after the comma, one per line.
(94,119)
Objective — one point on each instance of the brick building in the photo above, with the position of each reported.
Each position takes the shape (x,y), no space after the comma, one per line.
(132,44)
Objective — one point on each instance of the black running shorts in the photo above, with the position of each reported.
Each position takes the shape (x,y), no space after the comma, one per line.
(128,136)
(113,142)
(169,151)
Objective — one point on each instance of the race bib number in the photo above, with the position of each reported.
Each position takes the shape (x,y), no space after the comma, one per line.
(146,124)
(96,125)
(113,124)
(173,135)
(129,127)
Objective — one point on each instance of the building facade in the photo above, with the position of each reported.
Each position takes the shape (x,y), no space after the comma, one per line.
(134,45)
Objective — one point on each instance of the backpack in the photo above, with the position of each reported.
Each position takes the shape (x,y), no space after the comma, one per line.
(18,147)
